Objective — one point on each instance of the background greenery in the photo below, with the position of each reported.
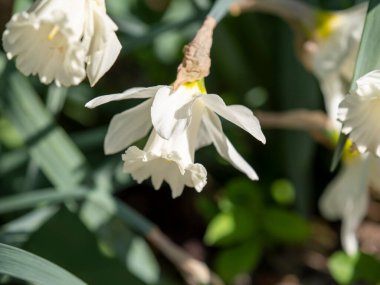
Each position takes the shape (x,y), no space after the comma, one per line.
(62,199)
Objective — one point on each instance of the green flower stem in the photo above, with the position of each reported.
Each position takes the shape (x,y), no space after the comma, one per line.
(220,9)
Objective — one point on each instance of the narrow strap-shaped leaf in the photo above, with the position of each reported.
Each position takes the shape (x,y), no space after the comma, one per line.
(50,147)
(32,268)
(38,197)
(369,52)
(368,59)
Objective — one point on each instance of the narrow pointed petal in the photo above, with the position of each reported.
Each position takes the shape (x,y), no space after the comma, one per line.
(237,114)
(225,147)
(133,93)
(171,112)
(105,46)
(127,127)
(371,79)
(333,93)
(203,138)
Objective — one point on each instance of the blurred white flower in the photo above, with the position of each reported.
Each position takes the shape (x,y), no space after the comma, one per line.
(346,197)
(56,39)
(359,113)
(327,42)
(331,51)
(184,121)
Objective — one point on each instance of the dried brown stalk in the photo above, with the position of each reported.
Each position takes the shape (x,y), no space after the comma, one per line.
(300,119)
(196,62)
(194,271)
(315,122)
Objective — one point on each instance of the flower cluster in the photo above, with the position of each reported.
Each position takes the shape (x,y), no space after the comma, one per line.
(183,121)
(63,41)
(346,197)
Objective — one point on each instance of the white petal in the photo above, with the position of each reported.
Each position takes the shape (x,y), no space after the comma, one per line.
(346,198)
(105,46)
(333,93)
(127,127)
(133,93)
(196,176)
(359,113)
(171,112)
(46,42)
(237,114)
(224,146)
(203,137)
(337,50)
(165,167)
(371,79)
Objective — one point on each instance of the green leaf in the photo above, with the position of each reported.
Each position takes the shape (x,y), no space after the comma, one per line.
(111,221)
(367,269)
(283,192)
(244,193)
(239,259)
(66,241)
(142,262)
(29,267)
(285,226)
(338,152)
(18,231)
(348,269)
(369,54)
(50,147)
(231,227)
(297,89)
(342,267)
(40,197)
(221,226)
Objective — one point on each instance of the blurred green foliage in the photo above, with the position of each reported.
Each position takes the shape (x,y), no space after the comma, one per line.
(247,223)
(350,269)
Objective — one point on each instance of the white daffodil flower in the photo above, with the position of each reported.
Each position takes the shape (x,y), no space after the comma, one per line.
(327,42)
(332,50)
(57,39)
(359,113)
(346,197)
(183,121)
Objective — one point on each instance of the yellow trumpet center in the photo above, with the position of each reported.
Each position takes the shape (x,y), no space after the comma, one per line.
(200,84)
(349,151)
(53,32)
(326,24)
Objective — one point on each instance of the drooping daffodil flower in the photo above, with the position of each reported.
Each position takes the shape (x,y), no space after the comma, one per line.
(346,198)
(63,41)
(331,49)
(183,121)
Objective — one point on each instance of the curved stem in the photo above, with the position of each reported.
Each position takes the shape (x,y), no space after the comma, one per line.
(194,271)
